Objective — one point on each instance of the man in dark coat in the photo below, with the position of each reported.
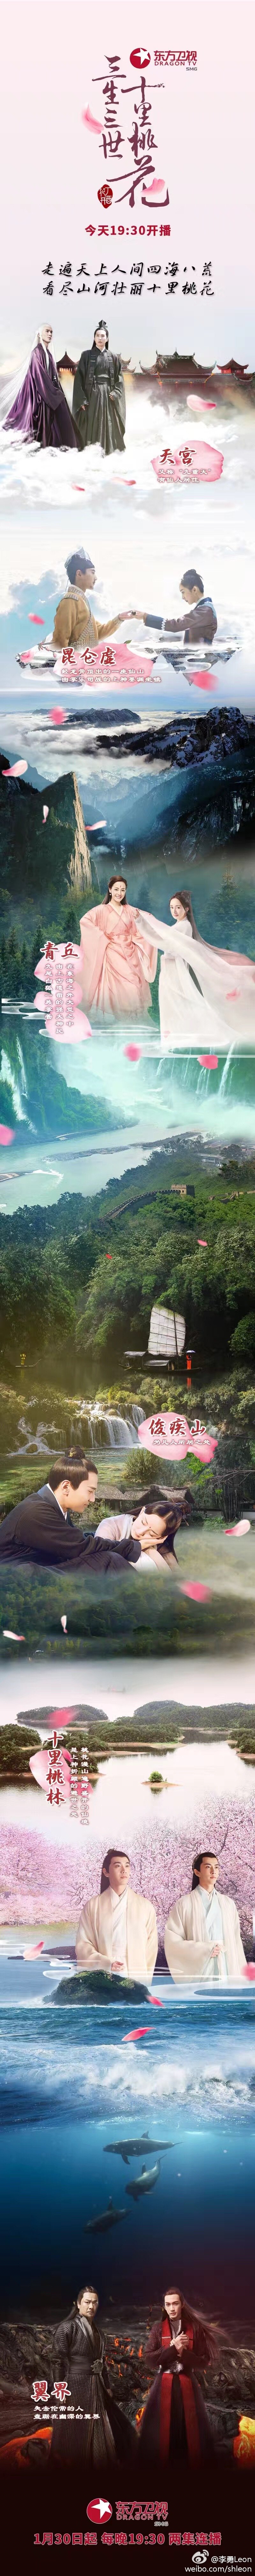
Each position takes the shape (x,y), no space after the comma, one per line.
(99,406)
(199,624)
(38,1531)
(96,2433)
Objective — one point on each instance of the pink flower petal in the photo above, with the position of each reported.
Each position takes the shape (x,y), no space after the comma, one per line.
(97,827)
(202,1240)
(61,1716)
(33,620)
(196,1591)
(202,680)
(238,1530)
(209,1060)
(136,2034)
(34,1953)
(198,402)
(133,1052)
(17,1633)
(45,813)
(6,1135)
(56,716)
(17,771)
(156,2000)
(155,190)
(91,122)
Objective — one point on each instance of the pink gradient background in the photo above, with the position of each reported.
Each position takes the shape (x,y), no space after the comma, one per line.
(52,167)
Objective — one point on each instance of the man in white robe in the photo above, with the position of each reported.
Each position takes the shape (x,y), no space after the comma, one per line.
(202,1933)
(117,1931)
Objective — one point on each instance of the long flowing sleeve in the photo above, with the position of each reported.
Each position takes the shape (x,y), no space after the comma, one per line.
(64,622)
(87,1952)
(147,947)
(154,2345)
(119,396)
(94,944)
(153,929)
(47,386)
(151,1939)
(186,1959)
(63,2339)
(239,1945)
(79,389)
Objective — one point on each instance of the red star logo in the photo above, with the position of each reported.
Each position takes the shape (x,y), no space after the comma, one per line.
(99,2510)
(139,58)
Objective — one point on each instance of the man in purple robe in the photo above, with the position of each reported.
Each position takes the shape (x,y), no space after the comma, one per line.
(40,410)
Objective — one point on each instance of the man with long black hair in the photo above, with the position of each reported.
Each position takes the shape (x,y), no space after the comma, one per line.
(99,403)
(202,1933)
(175,2420)
(117,1932)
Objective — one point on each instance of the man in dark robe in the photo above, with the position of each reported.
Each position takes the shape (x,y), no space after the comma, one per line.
(99,407)
(40,410)
(199,624)
(175,2420)
(96,2434)
(38,1532)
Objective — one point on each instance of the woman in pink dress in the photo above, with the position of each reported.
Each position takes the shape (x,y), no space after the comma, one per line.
(118,961)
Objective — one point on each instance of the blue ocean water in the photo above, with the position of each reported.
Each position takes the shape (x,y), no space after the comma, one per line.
(74,2082)
(194,2224)
(190,2052)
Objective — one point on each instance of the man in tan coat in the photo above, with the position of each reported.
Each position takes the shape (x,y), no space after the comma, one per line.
(202,1933)
(74,622)
(117,1931)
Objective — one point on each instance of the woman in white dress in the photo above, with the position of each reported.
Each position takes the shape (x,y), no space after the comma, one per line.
(206,995)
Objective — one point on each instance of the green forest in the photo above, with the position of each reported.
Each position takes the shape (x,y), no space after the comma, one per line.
(81,1278)
(135,1617)
(55,858)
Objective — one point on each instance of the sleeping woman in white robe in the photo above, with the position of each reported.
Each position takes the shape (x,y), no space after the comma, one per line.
(206,995)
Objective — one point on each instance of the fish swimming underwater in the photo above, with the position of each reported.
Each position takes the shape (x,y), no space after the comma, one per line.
(128,2147)
(107,2218)
(144,2181)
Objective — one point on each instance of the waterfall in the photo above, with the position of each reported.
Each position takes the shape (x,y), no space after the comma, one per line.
(101,1430)
(104,1430)
(226,1070)
(22,1067)
(9,1077)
